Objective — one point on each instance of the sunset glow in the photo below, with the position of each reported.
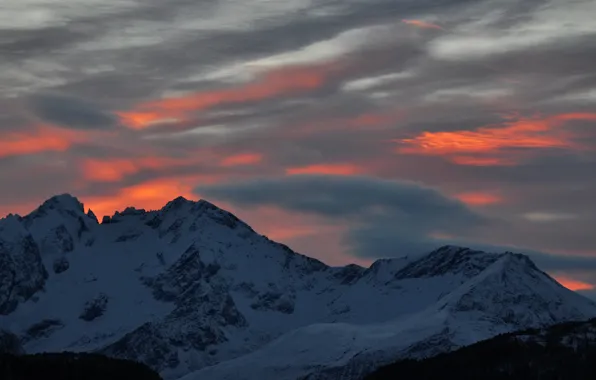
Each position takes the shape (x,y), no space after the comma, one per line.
(41,139)
(338,169)
(278,82)
(478,199)
(114,170)
(463,146)
(151,195)
(572,284)
(242,159)
(422,24)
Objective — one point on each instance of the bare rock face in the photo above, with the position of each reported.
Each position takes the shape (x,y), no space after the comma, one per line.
(95,308)
(22,273)
(60,265)
(58,240)
(203,315)
(449,259)
(275,301)
(42,329)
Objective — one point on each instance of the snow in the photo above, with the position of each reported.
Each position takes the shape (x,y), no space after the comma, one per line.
(340,346)
(191,290)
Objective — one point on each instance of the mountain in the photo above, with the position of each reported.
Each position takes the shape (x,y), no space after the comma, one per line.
(563,351)
(192,290)
(509,294)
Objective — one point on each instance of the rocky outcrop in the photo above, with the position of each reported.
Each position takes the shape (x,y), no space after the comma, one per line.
(60,265)
(42,329)
(449,260)
(95,308)
(22,273)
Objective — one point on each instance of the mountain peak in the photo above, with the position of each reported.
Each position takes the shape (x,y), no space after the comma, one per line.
(177,203)
(65,202)
(449,259)
(513,280)
(180,203)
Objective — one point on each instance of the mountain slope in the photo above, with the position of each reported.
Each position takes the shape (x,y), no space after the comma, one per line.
(511,293)
(563,351)
(191,286)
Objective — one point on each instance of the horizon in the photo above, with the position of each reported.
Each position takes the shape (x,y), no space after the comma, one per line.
(350,131)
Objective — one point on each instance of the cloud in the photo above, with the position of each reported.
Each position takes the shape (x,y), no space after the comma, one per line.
(422,24)
(546,217)
(151,195)
(392,213)
(117,169)
(242,159)
(572,284)
(69,112)
(492,145)
(332,169)
(36,140)
(555,23)
(478,198)
(363,84)
(275,83)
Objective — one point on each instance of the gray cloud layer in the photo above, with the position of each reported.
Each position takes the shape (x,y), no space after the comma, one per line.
(75,65)
(71,112)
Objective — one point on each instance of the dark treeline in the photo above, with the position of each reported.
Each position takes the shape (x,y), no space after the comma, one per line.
(527,355)
(71,366)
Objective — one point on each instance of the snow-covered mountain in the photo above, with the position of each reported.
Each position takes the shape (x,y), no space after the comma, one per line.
(190,287)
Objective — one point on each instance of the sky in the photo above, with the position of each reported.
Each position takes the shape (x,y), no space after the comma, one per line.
(349,130)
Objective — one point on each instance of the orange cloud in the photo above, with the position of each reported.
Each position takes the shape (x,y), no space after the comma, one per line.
(422,24)
(572,284)
(242,159)
(288,80)
(482,146)
(478,199)
(141,119)
(41,139)
(576,116)
(482,161)
(107,171)
(331,169)
(151,195)
(114,170)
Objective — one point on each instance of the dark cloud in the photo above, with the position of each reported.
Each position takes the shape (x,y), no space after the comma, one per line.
(70,112)
(344,196)
(383,214)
